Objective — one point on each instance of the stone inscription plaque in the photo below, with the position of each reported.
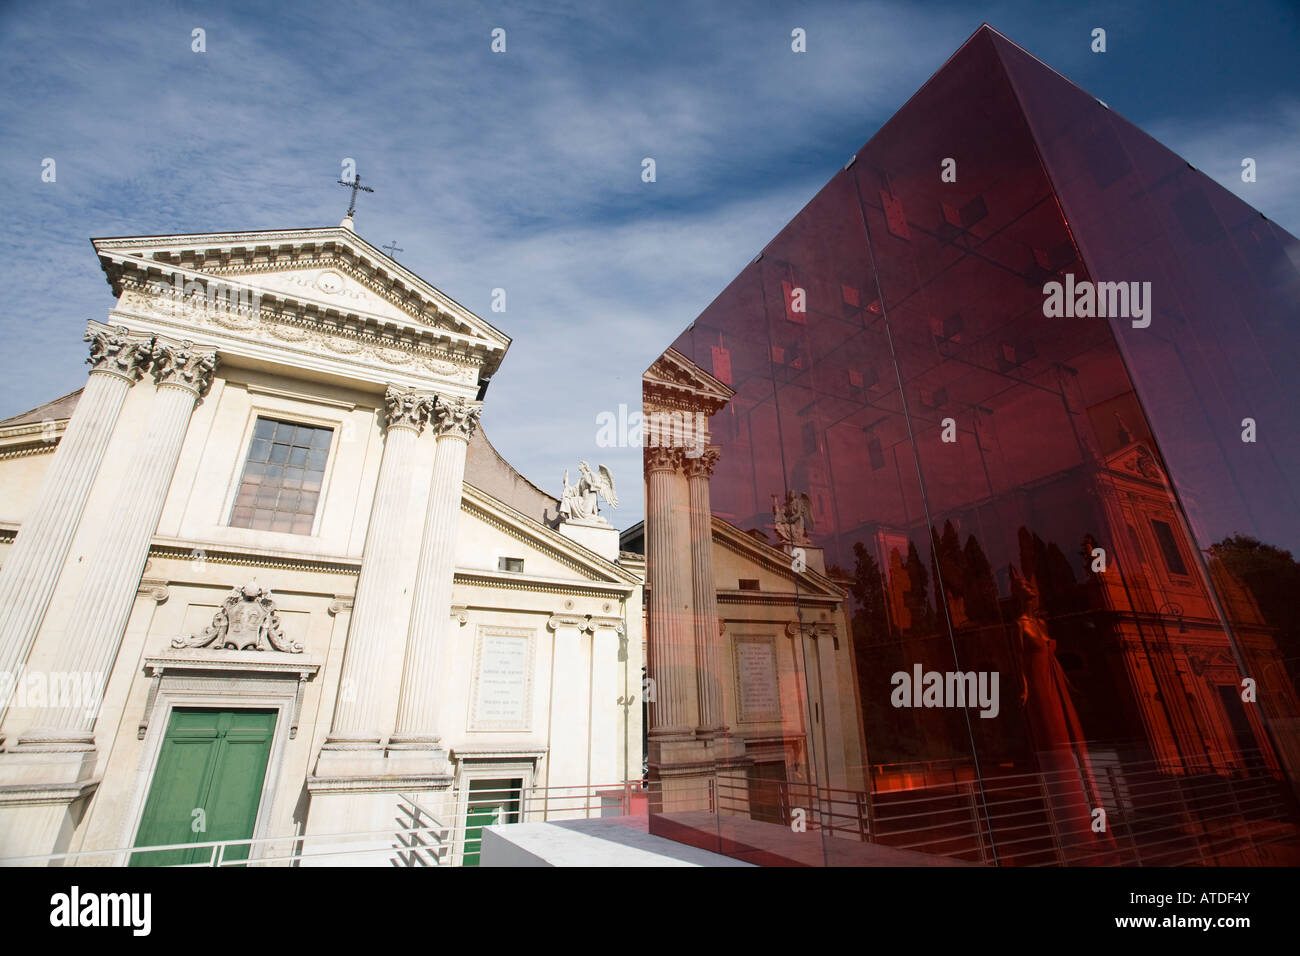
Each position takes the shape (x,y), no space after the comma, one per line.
(757,690)
(503,680)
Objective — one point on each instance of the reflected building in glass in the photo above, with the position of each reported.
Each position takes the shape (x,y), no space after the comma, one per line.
(949,564)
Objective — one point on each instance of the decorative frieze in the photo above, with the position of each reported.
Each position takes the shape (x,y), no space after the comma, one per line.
(301,329)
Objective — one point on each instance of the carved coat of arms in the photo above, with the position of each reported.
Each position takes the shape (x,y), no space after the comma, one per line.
(246,621)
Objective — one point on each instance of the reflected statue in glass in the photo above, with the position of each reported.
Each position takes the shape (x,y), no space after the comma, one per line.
(1055,730)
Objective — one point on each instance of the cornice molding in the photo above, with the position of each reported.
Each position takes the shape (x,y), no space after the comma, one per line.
(513,582)
(380,784)
(282,250)
(532,532)
(738,542)
(26,449)
(250,557)
(348,344)
(674,381)
(782,598)
(431,324)
(45,794)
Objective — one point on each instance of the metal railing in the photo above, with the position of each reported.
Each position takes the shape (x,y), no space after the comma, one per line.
(332,849)
(506,805)
(1152,817)
(418,839)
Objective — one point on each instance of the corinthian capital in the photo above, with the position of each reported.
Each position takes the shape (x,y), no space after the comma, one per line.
(659,458)
(456,417)
(184,366)
(702,465)
(116,353)
(407,408)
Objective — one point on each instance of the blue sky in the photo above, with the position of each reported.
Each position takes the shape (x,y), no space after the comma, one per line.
(522,170)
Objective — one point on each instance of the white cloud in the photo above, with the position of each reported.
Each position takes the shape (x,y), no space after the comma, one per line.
(1271,137)
(519,171)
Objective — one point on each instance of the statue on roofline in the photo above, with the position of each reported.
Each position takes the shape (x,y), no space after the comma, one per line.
(580,502)
(793,518)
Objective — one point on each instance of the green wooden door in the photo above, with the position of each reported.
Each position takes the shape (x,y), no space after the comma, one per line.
(212,761)
(490,802)
(475,821)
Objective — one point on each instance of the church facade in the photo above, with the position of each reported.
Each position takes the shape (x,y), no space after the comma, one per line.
(264,577)
(754,709)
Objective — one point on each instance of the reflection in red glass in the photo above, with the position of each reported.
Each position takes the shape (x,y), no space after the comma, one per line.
(913,470)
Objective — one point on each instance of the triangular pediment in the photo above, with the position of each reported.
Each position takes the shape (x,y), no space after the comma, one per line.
(332,283)
(554,556)
(1137,461)
(331,274)
(677,382)
(770,563)
(753,552)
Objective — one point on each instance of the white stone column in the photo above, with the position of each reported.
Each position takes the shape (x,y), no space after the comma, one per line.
(453,423)
(32,566)
(708,656)
(378,619)
(90,643)
(670,664)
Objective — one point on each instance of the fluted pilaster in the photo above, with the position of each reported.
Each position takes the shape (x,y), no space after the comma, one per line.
(90,643)
(417,709)
(708,656)
(32,566)
(670,664)
(377,619)
(827,643)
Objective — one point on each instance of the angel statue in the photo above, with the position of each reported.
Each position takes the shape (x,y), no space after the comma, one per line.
(793,518)
(580,502)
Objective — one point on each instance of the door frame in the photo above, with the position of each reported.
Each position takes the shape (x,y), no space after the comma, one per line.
(219,692)
(485,768)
